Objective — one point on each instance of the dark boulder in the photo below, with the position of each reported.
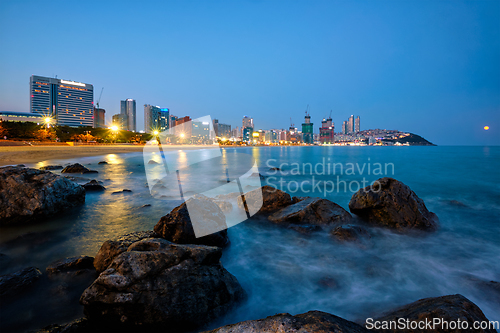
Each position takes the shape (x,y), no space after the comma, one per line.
(153,162)
(81,325)
(157,284)
(77,168)
(122,191)
(71,265)
(111,248)
(51,167)
(313,211)
(390,203)
(446,308)
(27,195)
(269,197)
(312,321)
(102,162)
(17,282)
(304,229)
(93,185)
(177,227)
(350,233)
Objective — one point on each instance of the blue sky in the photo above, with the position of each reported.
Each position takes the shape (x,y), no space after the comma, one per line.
(427,67)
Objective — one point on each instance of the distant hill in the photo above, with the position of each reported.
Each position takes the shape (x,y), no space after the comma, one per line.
(412,140)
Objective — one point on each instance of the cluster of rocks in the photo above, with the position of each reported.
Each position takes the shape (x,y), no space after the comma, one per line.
(168,279)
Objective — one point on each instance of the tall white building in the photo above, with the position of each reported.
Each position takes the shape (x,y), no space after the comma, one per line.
(128,114)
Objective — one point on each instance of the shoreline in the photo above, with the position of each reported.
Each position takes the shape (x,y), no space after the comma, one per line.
(13,155)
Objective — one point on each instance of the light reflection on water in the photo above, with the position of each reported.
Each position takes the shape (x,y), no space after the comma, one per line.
(284,271)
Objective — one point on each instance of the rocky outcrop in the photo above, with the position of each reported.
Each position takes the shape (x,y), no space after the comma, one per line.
(93,186)
(312,321)
(71,265)
(312,211)
(446,308)
(177,227)
(77,168)
(122,191)
(390,203)
(102,162)
(14,283)
(51,167)
(113,247)
(272,200)
(27,195)
(159,284)
(350,233)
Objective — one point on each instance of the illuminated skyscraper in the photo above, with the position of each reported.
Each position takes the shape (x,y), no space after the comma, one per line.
(350,125)
(357,125)
(70,103)
(307,130)
(127,110)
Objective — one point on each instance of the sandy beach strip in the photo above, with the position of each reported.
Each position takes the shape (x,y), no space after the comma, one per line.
(13,155)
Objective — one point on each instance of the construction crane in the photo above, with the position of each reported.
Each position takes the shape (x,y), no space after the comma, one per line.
(99,100)
(330,114)
(291,123)
(307,110)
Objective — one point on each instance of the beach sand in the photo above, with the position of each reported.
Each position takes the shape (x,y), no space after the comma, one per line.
(13,155)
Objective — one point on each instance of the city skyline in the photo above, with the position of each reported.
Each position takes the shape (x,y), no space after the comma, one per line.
(376,60)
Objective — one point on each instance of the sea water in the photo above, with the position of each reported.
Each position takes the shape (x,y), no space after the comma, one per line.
(283,270)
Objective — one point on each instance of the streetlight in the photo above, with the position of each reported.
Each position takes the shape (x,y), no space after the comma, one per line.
(47,121)
(156,133)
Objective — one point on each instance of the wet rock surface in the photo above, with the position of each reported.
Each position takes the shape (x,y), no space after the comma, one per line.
(271,198)
(350,233)
(51,167)
(15,283)
(71,265)
(159,284)
(94,185)
(177,227)
(393,205)
(313,211)
(312,321)
(111,248)
(446,308)
(77,168)
(29,195)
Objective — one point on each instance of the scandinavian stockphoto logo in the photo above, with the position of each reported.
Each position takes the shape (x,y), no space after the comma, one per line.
(204,172)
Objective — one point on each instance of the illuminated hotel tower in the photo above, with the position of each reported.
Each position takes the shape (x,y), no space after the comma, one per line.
(70,103)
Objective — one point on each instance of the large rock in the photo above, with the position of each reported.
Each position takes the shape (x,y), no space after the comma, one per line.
(113,247)
(272,200)
(77,168)
(14,283)
(177,227)
(27,195)
(312,211)
(392,204)
(93,185)
(73,265)
(446,308)
(350,233)
(312,321)
(159,284)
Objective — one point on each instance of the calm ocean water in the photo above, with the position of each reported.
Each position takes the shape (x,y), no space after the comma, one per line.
(282,270)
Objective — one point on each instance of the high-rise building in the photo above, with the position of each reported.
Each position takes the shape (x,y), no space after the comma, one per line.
(99,118)
(127,110)
(118,120)
(357,125)
(156,118)
(70,103)
(350,125)
(344,127)
(247,122)
(183,127)
(307,130)
(200,132)
(327,131)
(222,130)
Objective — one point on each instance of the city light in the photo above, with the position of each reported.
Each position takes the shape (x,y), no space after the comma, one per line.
(47,120)
(486,128)
(156,133)
(182,135)
(114,128)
